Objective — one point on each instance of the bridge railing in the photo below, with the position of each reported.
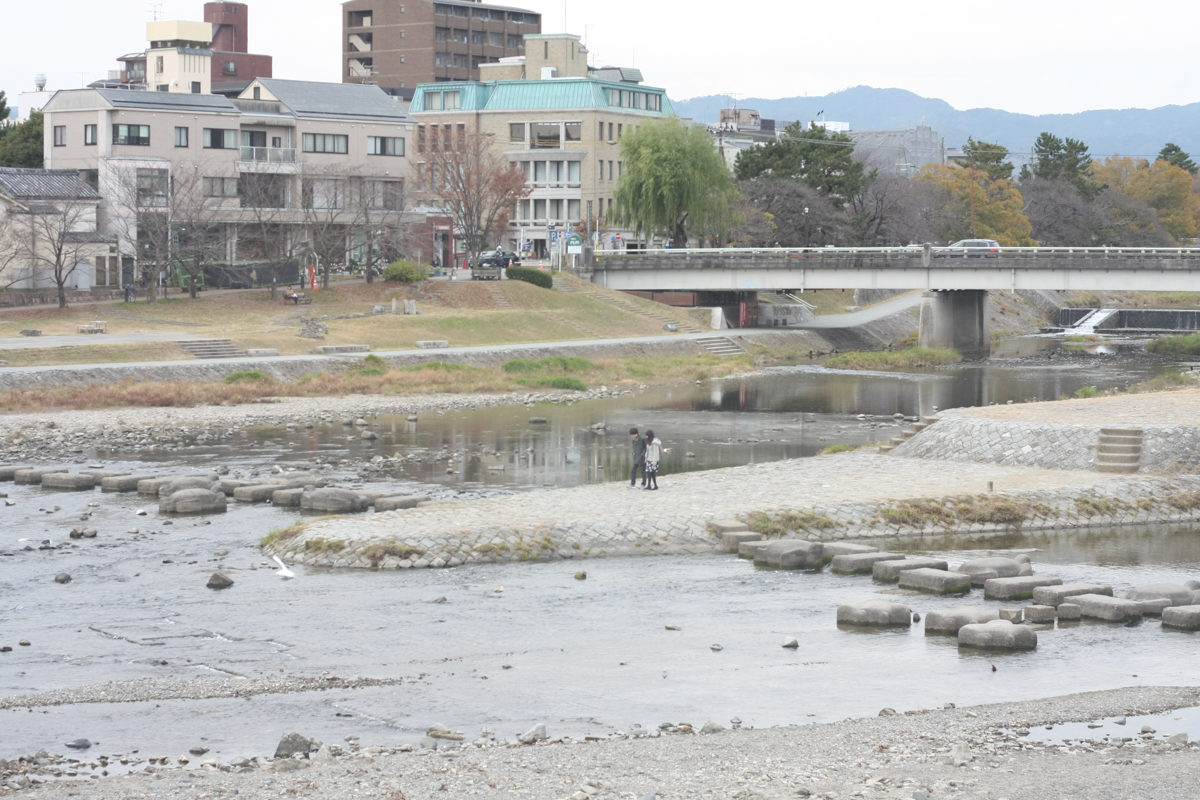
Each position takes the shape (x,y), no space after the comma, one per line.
(907,251)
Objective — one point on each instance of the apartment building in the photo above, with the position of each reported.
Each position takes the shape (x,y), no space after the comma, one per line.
(397,44)
(287,169)
(558,119)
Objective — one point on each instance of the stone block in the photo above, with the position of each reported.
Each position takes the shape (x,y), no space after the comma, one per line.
(1014,615)
(399,501)
(68,480)
(875,613)
(861,563)
(750,549)
(1040,613)
(949,620)
(1155,607)
(1056,595)
(1176,594)
(7,471)
(1068,612)
(287,498)
(101,474)
(258,493)
(33,475)
(123,483)
(227,486)
(981,569)
(1183,617)
(998,634)
(727,526)
(889,571)
(193,501)
(150,486)
(834,549)
(1112,609)
(789,554)
(1016,588)
(173,485)
(935,581)
(731,540)
(333,501)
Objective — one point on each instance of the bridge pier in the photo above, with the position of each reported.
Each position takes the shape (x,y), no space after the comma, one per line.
(956,320)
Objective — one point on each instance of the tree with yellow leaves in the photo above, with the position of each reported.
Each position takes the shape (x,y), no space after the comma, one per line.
(962,203)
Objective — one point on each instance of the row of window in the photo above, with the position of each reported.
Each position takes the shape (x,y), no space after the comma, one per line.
(511,41)
(515,17)
(552,210)
(551,174)
(229,139)
(630,98)
(270,191)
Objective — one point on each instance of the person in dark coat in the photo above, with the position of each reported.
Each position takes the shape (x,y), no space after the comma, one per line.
(639,459)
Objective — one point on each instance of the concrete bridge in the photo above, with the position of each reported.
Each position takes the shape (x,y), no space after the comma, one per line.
(953,309)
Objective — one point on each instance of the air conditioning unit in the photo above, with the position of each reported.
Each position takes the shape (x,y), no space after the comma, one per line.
(549,72)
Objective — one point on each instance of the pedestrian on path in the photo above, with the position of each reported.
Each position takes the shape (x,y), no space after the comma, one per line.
(639,459)
(654,451)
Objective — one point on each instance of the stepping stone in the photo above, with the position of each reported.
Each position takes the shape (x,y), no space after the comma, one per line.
(287,498)
(834,549)
(935,581)
(861,563)
(727,526)
(7,471)
(997,634)
(150,486)
(101,474)
(1175,593)
(789,554)
(334,501)
(730,540)
(193,501)
(881,613)
(980,569)
(1112,609)
(259,493)
(1019,588)
(889,571)
(1056,595)
(399,501)
(750,549)
(68,480)
(1040,613)
(1068,612)
(949,620)
(188,482)
(123,483)
(1182,617)
(33,475)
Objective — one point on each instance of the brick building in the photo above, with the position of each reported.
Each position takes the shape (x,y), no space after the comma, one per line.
(397,44)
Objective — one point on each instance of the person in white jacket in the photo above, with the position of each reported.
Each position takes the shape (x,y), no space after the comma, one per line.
(654,451)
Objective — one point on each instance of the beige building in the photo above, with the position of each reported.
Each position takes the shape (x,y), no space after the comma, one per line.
(397,44)
(558,119)
(287,170)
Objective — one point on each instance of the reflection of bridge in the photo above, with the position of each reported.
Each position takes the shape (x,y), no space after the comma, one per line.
(953,310)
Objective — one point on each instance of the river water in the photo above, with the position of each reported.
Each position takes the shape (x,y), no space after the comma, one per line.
(504,646)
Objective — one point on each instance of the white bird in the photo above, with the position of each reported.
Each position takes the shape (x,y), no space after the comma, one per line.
(283,570)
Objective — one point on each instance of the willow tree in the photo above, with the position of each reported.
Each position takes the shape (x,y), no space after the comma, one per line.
(674,183)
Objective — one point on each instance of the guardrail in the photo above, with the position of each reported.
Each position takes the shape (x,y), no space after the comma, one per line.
(909,250)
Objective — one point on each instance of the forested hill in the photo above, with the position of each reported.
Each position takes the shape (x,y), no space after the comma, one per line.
(1126,132)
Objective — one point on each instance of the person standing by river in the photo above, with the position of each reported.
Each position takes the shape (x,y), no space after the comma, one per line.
(639,459)
(654,451)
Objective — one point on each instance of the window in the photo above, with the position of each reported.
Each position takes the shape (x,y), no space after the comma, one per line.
(230,68)
(220,139)
(258,190)
(131,134)
(326,143)
(516,132)
(151,187)
(181,137)
(573,173)
(158,64)
(539,173)
(220,187)
(433,101)
(544,134)
(254,139)
(323,193)
(195,87)
(420,138)
(496,38)
(556,172)
(60,135)
(573,209)
(450,101)
(385,146)
(573,131)
(516,41)
(89,134)
(387,195)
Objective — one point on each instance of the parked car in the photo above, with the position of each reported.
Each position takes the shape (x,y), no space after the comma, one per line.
(499,258)
(971,248)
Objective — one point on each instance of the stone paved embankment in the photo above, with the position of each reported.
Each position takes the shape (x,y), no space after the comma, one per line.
(979,470)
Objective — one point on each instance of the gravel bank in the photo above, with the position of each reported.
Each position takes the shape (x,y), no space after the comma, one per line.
(976,752)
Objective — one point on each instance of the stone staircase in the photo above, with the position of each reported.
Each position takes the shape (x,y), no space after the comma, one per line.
(210,348)
(1119,450)
(907,434)
(499,296)
(721,345)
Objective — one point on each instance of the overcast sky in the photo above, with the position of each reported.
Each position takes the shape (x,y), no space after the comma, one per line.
(1028,57)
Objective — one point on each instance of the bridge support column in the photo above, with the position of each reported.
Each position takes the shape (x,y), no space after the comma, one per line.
(956,320)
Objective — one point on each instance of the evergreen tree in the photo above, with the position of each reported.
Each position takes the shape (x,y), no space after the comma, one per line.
(1174,154)
(21,145)
(823,160)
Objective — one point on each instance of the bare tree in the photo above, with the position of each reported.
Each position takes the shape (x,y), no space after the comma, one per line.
(476,185)
(268,225)
(138,193)
(48,240)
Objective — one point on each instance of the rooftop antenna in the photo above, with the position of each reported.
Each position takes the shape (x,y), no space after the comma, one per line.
(155,10)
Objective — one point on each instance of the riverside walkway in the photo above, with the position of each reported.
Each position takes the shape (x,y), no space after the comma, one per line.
(856,495)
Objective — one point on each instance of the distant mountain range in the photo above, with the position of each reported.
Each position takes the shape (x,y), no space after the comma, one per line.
(1127,132)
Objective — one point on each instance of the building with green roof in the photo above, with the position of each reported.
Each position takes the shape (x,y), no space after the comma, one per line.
(555,117)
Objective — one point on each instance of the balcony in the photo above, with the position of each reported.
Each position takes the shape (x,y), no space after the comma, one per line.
(268,159)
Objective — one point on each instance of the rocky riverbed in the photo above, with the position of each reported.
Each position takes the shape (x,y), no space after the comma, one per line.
(991,751)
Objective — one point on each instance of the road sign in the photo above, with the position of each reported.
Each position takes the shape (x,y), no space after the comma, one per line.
(574,244)
(554,236)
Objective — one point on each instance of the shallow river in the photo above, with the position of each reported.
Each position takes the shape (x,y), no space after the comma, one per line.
(506,646)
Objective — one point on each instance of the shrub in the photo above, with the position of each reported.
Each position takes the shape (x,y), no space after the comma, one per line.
(555,382)
(534,276)
(404,272)
(1188,345)
(248,376)
(1086,391)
